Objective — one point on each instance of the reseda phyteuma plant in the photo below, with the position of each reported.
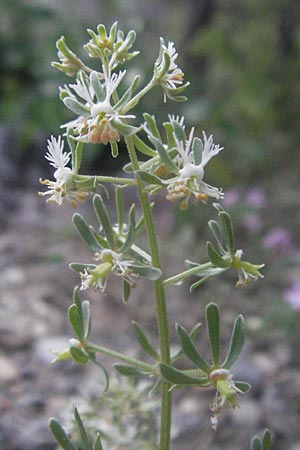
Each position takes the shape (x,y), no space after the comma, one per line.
(176,162)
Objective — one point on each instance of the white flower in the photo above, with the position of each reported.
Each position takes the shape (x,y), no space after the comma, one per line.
(173,77)
(112,261)
(58,190)
(93,102)
(190,174)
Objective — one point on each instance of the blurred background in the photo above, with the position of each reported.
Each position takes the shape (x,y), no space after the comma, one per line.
(242,59)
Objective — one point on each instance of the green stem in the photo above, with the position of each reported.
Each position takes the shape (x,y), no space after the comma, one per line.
(159,291)
(132,361)
(132,103)
(187,273)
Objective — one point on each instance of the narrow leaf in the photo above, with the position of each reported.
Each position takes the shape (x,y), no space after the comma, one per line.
(78,355)
(151,122)
(86,233)
(236,342)
(164,156)
(215,228)
(152,273)
(215,258)
(228,230)
(83,433)
(189,349)
(104,219)
(131,231)
(128,371)
(60,435)
(177,377)
(144,342)
(79,267)
(255,444)
(97,86)
(213,328)
(120,209)
(76,322)
(123,128)
(97,443)
(197,149)
(142,147)
(179,131)
(126,290)
(86,318)
(76,107)
(149,178)
(243,386)
(170,134)
(266,442)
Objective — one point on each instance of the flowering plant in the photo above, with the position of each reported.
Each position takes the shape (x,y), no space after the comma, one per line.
(176,163)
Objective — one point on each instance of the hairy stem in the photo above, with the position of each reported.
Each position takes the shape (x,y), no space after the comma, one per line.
(159,291)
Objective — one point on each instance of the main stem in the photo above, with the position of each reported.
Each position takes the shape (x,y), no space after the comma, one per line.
(160,298)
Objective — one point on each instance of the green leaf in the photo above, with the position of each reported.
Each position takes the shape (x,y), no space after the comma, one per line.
(207,273)
(151,122)
(114,149)
(179,131)
(213,328)
(236,342)
(215,258)
(164,155)
(177,377)
(127,371)
(266,442)
(76,107)
(144,342)
(60,435)
(126,290)
(97,86)
(78,355)
(170,134)
(86,233)
(142,147)
(190,350)
(127,94)
(197,149)
(76,322)
(255,444)
(120,209)
(152,273)
(83,433)
(79,267)
(104,219)
(215,228)
(228,231)
(149,178)
(123,128)
(131,231)
(86,318)
(243,386)
(97,443)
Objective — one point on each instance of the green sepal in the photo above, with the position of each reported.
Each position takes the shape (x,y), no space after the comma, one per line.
(76,107)
(190,350)
(151,122)
(104,219)
(78,355)
(213,328)
(126,291)
(86,233)
(228,231)
(142,147)
(131,231)
(60,435)
(152,273)
(215,258)
(97,445)
(144,342)
(236,342)
(83,433)
(177,377)
(75,319)
(149,178)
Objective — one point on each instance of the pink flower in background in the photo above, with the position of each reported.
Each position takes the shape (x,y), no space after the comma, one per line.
(231,198)
(292,295)
(255,197)
(279,239)
(252,222)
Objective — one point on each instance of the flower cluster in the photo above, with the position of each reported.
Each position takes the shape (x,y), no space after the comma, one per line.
(98,120)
